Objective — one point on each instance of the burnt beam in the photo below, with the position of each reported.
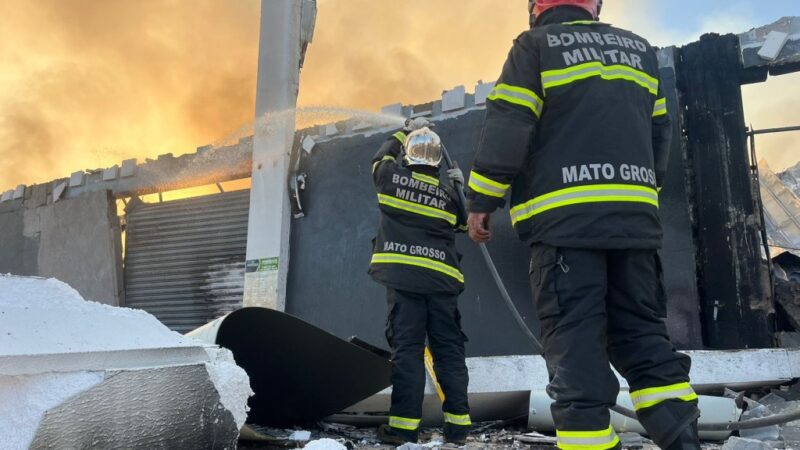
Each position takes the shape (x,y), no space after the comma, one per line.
(736,308)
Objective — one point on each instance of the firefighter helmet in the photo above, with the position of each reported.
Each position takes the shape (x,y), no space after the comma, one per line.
(537,7)
(423,147)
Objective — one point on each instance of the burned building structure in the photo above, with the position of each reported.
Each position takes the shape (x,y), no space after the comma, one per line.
(184,260)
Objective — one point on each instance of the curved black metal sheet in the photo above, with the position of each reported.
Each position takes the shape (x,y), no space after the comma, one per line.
(299,373)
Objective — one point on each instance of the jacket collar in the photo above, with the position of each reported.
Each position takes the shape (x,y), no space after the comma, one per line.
(563,14)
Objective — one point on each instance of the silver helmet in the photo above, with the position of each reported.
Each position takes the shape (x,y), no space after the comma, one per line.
(423,147)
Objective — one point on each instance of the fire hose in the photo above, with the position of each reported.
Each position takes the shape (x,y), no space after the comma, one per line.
(537,345)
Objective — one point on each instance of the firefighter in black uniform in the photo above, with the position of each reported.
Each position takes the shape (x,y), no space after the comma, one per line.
(415,257)
(577,128)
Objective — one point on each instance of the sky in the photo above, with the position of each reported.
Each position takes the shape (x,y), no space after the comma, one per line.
(87,84)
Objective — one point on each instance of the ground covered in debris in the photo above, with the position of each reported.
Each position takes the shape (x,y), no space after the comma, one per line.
(485,436)
(514,435)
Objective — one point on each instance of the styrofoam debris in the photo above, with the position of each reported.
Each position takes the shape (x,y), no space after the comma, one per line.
(39,316)
(324,444)
(771,433)
(737,443)
(231,381)
(300,435)
(45,317)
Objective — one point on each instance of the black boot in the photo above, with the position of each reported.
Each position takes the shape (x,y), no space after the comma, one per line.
(456,434)
(687,440)
(396,436)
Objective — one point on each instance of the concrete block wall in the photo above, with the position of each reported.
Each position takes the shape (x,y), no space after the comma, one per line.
(76,240)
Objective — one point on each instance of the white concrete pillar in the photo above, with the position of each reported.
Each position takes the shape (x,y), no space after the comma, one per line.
(286,29)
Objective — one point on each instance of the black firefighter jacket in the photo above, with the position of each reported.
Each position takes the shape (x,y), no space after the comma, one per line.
(577,128)
(415,248)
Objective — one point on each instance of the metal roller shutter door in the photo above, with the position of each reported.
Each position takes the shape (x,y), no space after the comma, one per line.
(184,259)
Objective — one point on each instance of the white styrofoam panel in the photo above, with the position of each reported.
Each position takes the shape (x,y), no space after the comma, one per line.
(773,46)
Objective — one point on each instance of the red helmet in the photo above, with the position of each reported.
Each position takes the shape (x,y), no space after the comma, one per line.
(537,7)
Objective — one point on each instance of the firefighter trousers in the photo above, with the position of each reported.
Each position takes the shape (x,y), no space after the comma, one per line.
(411,318)
(608,306)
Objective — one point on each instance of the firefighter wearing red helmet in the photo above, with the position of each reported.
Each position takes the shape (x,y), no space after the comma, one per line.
(577,129)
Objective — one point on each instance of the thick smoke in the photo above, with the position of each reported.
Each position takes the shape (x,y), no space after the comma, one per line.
(87,83)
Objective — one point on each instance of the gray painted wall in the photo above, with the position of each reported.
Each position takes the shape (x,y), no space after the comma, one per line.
(76,240)
(18,253)
(330,251)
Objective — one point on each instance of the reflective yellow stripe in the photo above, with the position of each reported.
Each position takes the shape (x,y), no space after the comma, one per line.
(487,186)
(400,136)
(418,261)
(385,158)
(463,228)
(456,419)
(598,193)
(587,440)
(660,108)
(646,398)
(416,208)
(425,178)
(404,423)
(518,96)
(561,77)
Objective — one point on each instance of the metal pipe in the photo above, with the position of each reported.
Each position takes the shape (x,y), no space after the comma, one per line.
(773,130)
(756,176)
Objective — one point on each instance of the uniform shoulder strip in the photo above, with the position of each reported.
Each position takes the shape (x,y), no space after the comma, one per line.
(385,158)
(518,96)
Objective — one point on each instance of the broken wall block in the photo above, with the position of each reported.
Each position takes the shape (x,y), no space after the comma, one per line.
(19,192)
(128,168)
(395,109)
(308,144)
(111,173)
(58,190)
(361,126)
(331,130)
(76,179)
(482,91)
(454,99)
(7,195)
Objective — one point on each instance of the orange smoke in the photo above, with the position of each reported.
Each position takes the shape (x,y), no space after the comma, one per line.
(87,84)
